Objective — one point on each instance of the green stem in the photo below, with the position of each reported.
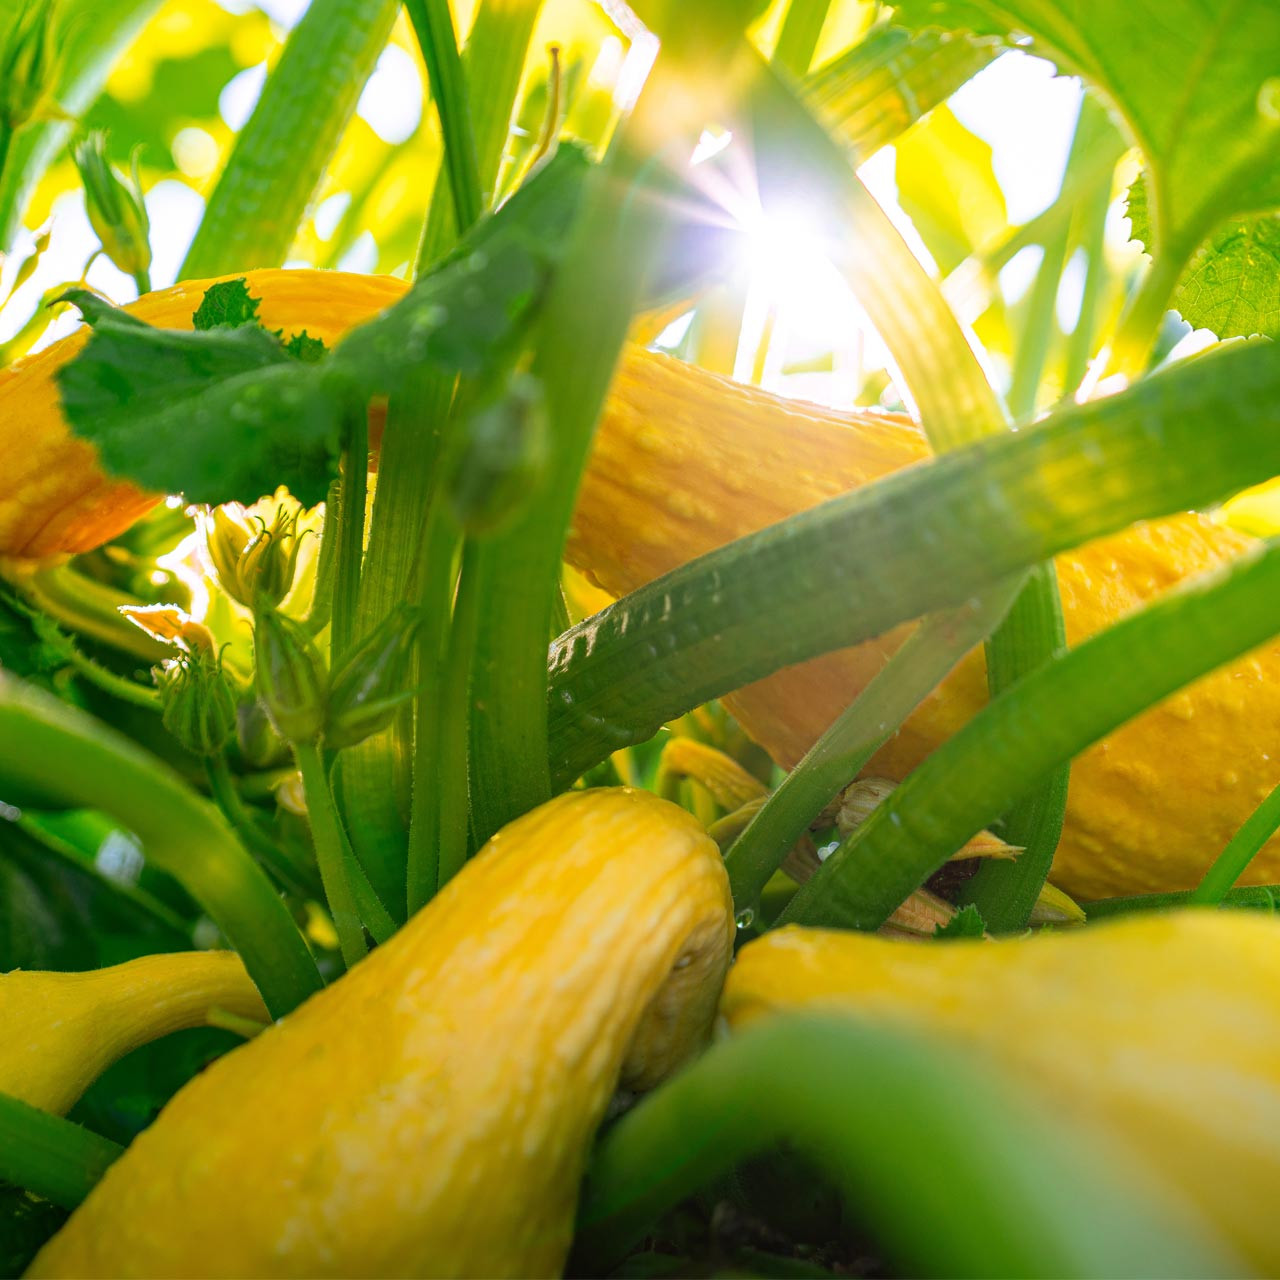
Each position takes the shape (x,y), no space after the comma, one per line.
(1039,326)
(53,833)
(438,580)
(451,758)
(226,795)
(1005,891)
(433,25)
(920,540)
(377,786)
(1091,234)
(882,1112)
(109,682)
(6,145)
(69,758)
(142,281)
(350,537)
(49,1156)
(840,754)
(798,39)
(1261,897)
(1144,314)
(280,155)
(80,604)
(320,614)
(1032,728)
(326,831)
(576,350)
(1241,849)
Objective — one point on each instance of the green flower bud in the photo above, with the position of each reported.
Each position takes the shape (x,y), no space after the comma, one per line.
(114,205)
(291,676)
(255,562)
(497,462)
(197,704)
(370,684)
(29,63)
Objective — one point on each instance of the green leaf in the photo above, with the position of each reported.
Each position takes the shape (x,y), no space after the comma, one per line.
(218,416)
(229,413)
(1232,283)
(228,304)
(967,923)
(1231,286)
(1196,81)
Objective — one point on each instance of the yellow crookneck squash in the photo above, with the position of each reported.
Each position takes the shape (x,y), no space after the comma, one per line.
(1159,1034)
(62,1030)
(429,1114)
(684,462)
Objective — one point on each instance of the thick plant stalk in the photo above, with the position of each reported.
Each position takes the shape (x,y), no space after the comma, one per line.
(1155,1035)
(49,1156)
(60,755)
(861,1099)
(1028,730)
(271,175)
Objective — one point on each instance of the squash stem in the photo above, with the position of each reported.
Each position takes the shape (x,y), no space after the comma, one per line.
(326,831)
(436,596)
(51,1157)
(1262,897)
(279,156)
(840,754)
(1241,849)
(349,534)
(1037,1202)
(576,350)
(451,760)
(69,758)
(433,25)
(1030,729)
(83,605)
(226,795)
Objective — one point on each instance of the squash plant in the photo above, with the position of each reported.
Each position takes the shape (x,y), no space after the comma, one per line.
(524,673)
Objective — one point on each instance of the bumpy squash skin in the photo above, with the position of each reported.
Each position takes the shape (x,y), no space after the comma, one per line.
(685,462)
(62,1030)
(429,1114)
(54,499)
(1158,1032)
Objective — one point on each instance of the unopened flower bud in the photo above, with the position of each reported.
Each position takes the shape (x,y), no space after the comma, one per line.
(498,459)
(369,686)
(291,676)
(255,561)
(29,63)
(198,705)
(115,206)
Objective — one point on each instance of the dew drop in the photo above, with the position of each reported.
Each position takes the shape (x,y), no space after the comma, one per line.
(745,918)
